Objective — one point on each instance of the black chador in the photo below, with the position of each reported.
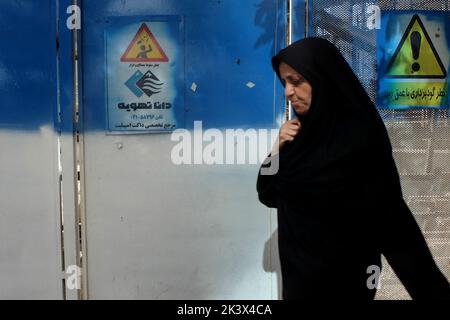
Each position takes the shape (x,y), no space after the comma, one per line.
(338,193)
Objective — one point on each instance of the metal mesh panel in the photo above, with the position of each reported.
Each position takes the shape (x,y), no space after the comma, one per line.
(420,138)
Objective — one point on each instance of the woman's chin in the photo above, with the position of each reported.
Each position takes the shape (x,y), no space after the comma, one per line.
(300,111)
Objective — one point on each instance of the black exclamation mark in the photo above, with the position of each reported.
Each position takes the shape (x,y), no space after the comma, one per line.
(416,39)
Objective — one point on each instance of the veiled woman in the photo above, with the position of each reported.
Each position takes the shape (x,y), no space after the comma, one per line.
(337,190)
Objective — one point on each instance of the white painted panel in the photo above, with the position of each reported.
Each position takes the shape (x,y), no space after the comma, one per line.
(160,231)
(30,257)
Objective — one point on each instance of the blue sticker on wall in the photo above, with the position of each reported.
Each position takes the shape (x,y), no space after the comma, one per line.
(145,74)
(413,59)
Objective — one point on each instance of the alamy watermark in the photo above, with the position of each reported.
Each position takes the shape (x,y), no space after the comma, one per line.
(225,147)
(373,281)
(366,16)
(73,277)
(74,20)
(363,15)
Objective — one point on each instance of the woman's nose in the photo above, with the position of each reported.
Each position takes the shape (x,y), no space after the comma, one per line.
(288,90)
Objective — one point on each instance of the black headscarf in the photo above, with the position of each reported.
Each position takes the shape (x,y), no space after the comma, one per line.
(343,138)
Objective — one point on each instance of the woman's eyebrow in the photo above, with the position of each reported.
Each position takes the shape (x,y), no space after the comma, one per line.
(294,77)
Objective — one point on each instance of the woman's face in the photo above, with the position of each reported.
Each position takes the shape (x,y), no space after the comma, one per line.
(296,89)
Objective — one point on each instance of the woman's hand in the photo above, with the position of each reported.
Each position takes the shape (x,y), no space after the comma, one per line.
(288,131)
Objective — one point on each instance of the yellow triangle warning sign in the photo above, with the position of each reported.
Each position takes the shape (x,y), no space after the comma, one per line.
(416,56)
(144,48)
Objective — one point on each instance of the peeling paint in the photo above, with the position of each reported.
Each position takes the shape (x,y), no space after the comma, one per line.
(251,85)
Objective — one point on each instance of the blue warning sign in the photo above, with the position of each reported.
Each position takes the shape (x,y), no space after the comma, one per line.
(413,60)
(144,74)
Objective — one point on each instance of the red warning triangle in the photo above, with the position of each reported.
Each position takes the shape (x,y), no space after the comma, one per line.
(144,48)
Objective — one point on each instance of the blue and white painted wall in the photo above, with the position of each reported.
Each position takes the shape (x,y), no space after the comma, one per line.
(156,228)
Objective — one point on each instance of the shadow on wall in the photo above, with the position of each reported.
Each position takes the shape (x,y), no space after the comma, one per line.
(272,24)
(272,32)
(299,20)
(271,261)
